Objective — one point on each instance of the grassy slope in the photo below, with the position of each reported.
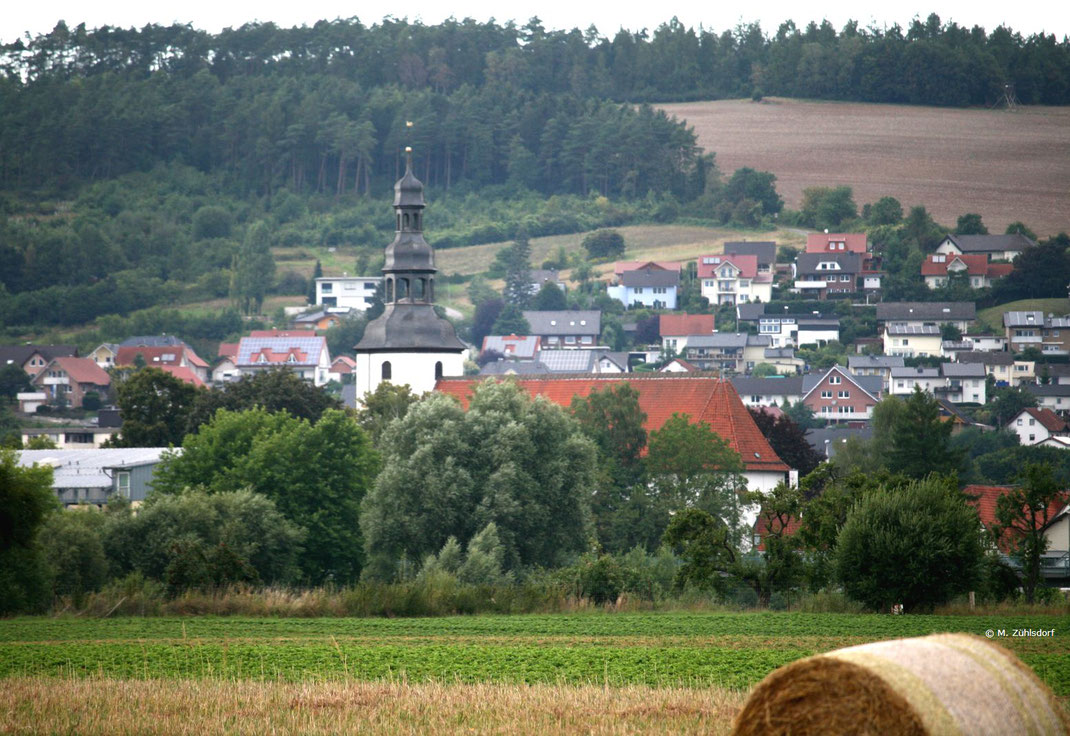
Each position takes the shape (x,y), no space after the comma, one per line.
(993,316)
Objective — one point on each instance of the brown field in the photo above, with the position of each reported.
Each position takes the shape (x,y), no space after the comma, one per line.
(1005,165)
(109,706)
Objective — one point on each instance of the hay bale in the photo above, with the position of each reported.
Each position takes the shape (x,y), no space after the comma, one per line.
(941,684)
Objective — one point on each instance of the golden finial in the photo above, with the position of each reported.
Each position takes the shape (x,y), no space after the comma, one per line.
(408,123)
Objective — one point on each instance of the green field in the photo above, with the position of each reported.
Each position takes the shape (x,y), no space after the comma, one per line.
(662,650)
(992,318)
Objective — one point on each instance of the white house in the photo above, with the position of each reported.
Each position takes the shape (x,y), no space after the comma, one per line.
(993,247)
(347,292)
(1034,426)
(910,341)
(734,279)
(648,286)
(958,383)
(306,356)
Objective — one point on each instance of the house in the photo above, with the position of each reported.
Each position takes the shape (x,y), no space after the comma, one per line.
(567,329)
(347,292)
(649,286)
(583,361)
(734,279)
(703,398)
(1050,335)
(784,360)
(790,328)
(911,341)
(957,383)
(28,401)
(513,347)
(539,277)
(838,395)
(819,274)
(33,358)
(975,270)
(768,392)
(152,341)
(1004,369)
(678,365)
(1033,426)
(305,356)
(341,369)
(105,354)
(67,381)
(169,358)
(992,247)
(875,365)
(321,319)
(837,243)
(763,250)
(620,267)
(827,440)
(1051,396)
(1054,523)
(726,352)
(92,476)
(674,329)
(71,437)
(916,314)
(225,369)
(1057,373)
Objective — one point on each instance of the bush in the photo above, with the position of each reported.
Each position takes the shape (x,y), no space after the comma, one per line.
(919,545)
(604,244)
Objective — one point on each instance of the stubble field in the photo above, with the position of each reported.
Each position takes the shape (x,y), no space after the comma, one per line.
(562,673)
(1006,165)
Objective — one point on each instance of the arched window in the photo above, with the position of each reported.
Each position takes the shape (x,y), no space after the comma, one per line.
(386,370)
(430,290)
(399,221)
(438,370)
(389,290)
(403,289)
(418,287)
(406,220)
(416,222)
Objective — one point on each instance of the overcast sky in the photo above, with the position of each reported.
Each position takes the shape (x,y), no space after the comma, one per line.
(1027,16)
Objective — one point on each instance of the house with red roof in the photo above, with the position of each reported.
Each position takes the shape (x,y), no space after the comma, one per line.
(674,329)
(837,243)
(1035,425)
(65,381)
(977,269)
(734,279)
(704,398)
(1054,521)
(767,524)
(169,357)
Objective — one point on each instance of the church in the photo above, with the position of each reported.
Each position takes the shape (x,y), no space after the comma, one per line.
(408,343)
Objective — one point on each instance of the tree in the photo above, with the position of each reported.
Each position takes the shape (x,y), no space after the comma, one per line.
(690,466)
(388,402)
(885,211)
(1021,515)
(511,321)
(523,464)
(970,224)
(1042,271)
(755,186)
(1020,228)
(828,207)
(550,298)
(74,551)
(788,440)
(26,501)
(921,440)
(254,269)
(604,244)
(317,272)
(155,407)
(704,544)
(918,545)
(781,566)
(920,230)
(277,389)
(315,474)
(517,291)
(13,380)
(1005,403)
(485,316)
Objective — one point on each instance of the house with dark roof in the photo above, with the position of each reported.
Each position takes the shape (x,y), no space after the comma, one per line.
(770,391)
(875,365)
(1051,396)
(67,380)
(703,398)
(306,356)
(1034,425)
(763,250)
(321,319)
(918,314)
(977,271)
(565,328)
(539,277)
(726,352)
(840,396)
(785,328)
(675,329)
(827,440)
(649,286)
(734,279)
(992,247)
(1032,329)
(1003,367)
(105,354)
(33,358)
(152,341)
(958,383)
(819,274)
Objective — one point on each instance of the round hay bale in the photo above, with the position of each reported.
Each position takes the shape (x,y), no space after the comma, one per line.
(941,684)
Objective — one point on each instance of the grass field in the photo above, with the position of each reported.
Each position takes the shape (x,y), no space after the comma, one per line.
(992,317)
(1006,166)
(603,673)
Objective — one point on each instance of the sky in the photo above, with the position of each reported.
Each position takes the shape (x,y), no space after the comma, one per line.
(1026,16)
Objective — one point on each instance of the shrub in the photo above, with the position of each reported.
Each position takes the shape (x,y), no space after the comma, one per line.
(604,244)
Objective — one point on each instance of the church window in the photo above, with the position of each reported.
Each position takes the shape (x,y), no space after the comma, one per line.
(390,290)
(403,289)
(418,288)
(406,220)
(438,370)
(386,370)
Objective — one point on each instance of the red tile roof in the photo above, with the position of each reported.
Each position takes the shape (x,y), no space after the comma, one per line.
(985,502)
(621,266)
(228,350)
(761,530)
(747,265)
(1048,419)
(704,398)
(159,356)
(182,373)
(937,263)
(819,242)
(686,324)
(80,370)
(343,364)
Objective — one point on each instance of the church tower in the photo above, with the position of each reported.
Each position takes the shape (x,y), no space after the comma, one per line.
(408,343)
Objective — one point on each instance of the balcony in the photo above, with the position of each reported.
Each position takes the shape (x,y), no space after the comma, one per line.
(56,381)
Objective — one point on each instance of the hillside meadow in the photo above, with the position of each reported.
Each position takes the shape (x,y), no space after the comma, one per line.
(1006,165)
(592,672)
